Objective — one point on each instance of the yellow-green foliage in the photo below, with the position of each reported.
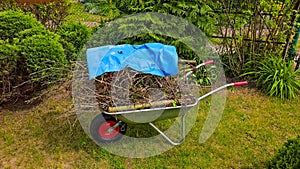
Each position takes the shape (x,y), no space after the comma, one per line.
(73,36)
(12,23)
(28,52)
(44,57)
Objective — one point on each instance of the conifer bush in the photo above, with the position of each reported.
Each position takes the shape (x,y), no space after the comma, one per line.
(288,156)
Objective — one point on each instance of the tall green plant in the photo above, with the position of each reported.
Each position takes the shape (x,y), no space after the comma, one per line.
(29,54)
(277,78)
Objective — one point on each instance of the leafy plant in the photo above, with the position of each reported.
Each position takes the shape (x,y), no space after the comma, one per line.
(50,14)
(277,78)
(288,156)
(251,30)
(8,5)
(197,12)
(12,23)
(73,37)
(8,64)
(44,57)
(13,27)
(105,8)
(37,30)
(30,54)
(9,56)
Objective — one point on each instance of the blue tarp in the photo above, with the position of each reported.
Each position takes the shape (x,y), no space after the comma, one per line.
(155,58)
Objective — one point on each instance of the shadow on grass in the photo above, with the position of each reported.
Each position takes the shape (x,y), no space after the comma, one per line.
(62,134)
(17,104)
(65,134)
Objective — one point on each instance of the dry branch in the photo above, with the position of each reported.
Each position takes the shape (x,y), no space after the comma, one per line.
(130,90)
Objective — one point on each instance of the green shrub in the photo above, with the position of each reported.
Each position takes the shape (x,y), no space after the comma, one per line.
(8,5)
(50,14)
(12,23)
(288,156)
(44,57)
(38,30)
(29,54)
(73,37)
(8,57)
(8,65)
(198,12)
(276,77)
(103,8)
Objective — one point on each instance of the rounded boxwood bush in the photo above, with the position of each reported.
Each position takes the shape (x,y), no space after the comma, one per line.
(288,156)
(8,65)
(73,37)
(44,57)
(8,57)
(12,22)
(38,30)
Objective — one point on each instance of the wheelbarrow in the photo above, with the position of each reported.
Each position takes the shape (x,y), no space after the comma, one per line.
(111,126)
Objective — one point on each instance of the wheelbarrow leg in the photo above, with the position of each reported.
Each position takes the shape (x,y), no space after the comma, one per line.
(167,138)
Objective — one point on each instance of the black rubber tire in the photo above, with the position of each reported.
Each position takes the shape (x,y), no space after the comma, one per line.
(98,129)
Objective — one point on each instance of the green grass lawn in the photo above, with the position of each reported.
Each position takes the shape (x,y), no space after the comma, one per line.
(252,129)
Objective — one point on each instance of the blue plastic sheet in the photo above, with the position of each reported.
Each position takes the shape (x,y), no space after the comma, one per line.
(155,58)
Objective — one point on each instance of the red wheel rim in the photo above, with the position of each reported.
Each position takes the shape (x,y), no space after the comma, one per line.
(103,130)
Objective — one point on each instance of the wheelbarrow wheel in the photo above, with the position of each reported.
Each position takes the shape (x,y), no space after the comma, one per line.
(105,128)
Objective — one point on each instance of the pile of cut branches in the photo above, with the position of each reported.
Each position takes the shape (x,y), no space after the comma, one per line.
(129,89)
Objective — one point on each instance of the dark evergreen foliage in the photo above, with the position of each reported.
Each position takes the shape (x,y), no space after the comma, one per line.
(288,156)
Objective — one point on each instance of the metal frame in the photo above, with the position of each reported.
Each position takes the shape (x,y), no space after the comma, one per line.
(183,118)
(168,138)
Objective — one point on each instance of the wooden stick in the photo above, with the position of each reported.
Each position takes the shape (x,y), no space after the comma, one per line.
(140,106)
(187,61)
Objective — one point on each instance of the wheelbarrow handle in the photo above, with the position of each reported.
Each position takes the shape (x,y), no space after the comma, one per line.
(197,67)
(209,62)
(240,83)
(204,64)
(223,87)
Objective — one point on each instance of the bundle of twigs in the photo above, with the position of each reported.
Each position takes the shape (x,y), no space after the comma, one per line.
(129,89)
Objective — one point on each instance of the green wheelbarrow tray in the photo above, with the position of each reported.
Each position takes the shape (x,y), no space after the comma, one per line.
(151,114)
